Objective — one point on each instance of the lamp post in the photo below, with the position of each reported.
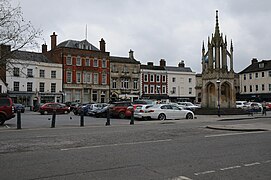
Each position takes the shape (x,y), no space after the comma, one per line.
(218,97)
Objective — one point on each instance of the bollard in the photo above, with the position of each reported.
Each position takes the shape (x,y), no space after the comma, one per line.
(82,118)
(53,123)
(107,117)
(132,117)
(19,122)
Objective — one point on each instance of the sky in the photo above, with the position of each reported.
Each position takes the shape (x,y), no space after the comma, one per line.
(173,30)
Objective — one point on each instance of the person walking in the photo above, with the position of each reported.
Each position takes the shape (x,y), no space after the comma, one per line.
(264,108)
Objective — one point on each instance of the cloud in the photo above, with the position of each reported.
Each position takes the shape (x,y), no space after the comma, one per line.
(156,29)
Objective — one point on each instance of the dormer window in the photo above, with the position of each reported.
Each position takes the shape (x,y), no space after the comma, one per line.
(261,65)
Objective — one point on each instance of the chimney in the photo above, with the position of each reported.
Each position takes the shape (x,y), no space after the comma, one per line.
(131,54)
(150,63)
(102,45)
(162,63)
(53,40)
(44,48)
(254,60)
(181,64)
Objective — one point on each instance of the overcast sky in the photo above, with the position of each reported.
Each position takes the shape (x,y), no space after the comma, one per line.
(157,29)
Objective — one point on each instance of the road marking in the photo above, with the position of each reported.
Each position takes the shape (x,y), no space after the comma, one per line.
(180,178)
(233,134)
(120,144)
(205,172)
(268,161)
(7,126)
(252,164)
(229,168)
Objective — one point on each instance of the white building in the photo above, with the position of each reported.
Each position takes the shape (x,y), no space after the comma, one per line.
(32,78)
(255,81)
(3,87)
(181,83)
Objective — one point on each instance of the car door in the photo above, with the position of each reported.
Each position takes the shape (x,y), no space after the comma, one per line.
(170,114)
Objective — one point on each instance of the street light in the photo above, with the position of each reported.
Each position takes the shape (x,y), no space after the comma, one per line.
(218,97)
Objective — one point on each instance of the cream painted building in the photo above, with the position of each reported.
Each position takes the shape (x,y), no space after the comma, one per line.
(255,81)
(32,79)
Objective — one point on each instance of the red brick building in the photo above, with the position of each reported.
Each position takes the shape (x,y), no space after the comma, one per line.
(86,69)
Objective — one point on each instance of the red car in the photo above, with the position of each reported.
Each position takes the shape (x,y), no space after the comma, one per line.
(6,109)
(49,108)
(120,109)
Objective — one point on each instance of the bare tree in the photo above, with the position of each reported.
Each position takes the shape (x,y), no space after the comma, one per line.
(15,31)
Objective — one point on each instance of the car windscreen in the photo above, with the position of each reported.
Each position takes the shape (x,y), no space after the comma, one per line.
(4,102)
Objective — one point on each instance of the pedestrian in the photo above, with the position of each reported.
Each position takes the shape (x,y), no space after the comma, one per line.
(264,108)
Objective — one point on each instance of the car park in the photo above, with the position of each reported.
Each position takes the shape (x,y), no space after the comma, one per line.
(167,111)
(120,109)
(6,109)
(141,112)
(49,108)
(241,104)
(188,105)
(20,107)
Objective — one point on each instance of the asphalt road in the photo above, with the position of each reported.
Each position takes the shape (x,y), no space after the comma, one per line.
(181,149)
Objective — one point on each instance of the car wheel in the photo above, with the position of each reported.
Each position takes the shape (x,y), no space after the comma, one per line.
(45,112)
(2,119)
(162,117)
(189,116)
(122,115)
(65,112)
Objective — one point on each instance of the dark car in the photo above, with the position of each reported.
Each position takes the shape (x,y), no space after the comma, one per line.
(78,109)
(101,112)
(120,109)
(6,109)
(20,107)
(49,108)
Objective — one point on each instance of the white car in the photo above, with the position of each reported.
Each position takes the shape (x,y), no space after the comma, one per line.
(188,105)
(141,111)
(241,104)
(168,111)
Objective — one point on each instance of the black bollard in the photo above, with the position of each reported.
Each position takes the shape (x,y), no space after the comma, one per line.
(19,122)
(132,117)
(53,123)
(107,117)
(82,118)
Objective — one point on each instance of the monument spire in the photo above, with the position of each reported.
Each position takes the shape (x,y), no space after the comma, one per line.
(217,25)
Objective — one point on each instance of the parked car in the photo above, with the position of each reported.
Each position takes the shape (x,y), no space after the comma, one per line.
(19,107)
(141,112)
(188,105)
(93,108)
(81,107)
(253,107)
(241,104)
(143,101)
(101,112)
(167,111)
(49,108)
(6,109)
(120,109)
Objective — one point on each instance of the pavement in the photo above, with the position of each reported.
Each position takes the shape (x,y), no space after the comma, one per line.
(252,126)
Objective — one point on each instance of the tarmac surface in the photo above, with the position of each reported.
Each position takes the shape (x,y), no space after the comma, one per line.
(255,126)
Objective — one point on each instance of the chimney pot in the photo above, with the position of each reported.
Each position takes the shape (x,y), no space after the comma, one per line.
(53,40)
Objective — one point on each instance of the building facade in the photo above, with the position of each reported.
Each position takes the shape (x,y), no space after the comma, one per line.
(181,83)
(255,81)
(86,69)
(125,78)
(32,78)
(218,89)
(154,81)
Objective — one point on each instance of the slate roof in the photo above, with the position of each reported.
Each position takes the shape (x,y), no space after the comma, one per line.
(116,59)
(30,56)
(142,66)
(254,67)
(178,69)
(76,44)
